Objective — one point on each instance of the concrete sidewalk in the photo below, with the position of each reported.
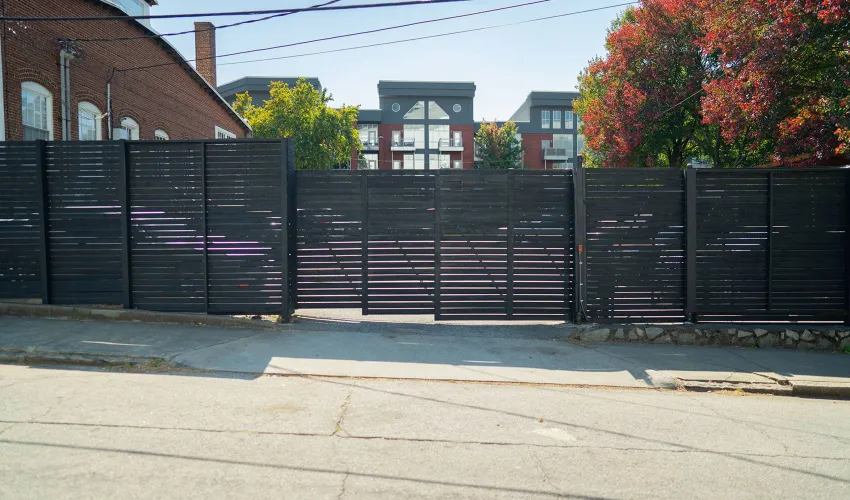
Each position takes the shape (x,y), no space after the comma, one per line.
(532,354)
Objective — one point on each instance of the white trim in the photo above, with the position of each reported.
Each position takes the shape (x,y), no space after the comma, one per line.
(2,97)
(38,89)
(98,119)
(161,135)
(132,127)
(221,133)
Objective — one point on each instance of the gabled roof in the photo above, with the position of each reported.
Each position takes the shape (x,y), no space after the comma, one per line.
(173,52)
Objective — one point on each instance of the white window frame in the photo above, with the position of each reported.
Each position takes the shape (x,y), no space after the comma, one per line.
(98,120)
(221,133)
(397,138)
(397,165)
(457,138)
(556,119)
(569,124)
(129,125)
(40,90)
(545,119)
(161,135)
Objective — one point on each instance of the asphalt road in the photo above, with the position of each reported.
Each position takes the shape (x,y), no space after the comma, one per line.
(76,433)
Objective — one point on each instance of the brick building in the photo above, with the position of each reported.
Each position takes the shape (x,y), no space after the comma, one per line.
(430,125)
(60,83)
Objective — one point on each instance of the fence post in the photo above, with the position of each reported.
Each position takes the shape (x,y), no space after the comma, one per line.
(580,271)
(847,246)
(44,207)
(770,242)
(364,259)
(286,229)
(124,196)
(204,223)
(691,243)
(438,230)
(510,279)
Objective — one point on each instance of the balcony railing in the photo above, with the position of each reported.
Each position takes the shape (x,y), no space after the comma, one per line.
(555,153)
(370,145)
(451,145)
(404,145)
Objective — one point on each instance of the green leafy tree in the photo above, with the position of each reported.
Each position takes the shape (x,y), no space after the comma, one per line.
(324,137)
(498,147)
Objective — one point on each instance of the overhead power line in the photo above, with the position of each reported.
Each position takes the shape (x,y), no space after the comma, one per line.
(347,35)
(427,37)
(186,32)
(236,13)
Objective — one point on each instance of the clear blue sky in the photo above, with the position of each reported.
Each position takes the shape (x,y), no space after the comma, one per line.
(505,63)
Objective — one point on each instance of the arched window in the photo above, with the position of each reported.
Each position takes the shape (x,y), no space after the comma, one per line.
(37,112)
(129,130)
(160,135)
(89,121)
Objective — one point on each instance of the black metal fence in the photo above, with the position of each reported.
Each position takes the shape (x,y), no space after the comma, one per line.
(192,226)
(230,227)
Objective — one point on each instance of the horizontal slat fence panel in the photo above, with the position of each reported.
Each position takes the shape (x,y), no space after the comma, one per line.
(772,245)
(244,187)
(635,244)
(166,226)
(542,256)
(329,239)
(473,260)
(400,255)
(84,222)
(20,225)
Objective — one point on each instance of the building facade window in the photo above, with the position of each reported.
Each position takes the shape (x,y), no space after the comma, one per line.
(568,119)
(129,130)
(417,112)
(457,139)
(437,133)
(457,108)
(458,164)
(580,144)
(545,119)
(435,112)
(369,134)
(556,118)
(563,141)
(396,164)
(89,122)
(37,112)
(437,161)
(396,137)
(160,135)
(369,161)
(221,133)
(414,135)
(414,162)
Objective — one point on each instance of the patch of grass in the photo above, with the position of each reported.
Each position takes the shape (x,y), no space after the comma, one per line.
(847,349)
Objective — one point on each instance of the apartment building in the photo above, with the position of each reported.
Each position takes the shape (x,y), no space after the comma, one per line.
(259,87)
(431,125)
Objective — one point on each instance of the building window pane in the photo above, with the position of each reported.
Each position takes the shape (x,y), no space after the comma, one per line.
(417,112)
(36,110)
(437,133)
(568,119)
(129,130)
(564,142)
(414,162)
(88,121)
(556,119)
(580,144)
(369,135)
(414,135)
(396,164)
(435,112)
(396,137)
(369,162)
(160,135)
(221,133)
(437,161)
(545,120)
(458,164)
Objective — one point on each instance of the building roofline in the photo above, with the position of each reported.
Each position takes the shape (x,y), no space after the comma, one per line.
(182,62)
(270,78)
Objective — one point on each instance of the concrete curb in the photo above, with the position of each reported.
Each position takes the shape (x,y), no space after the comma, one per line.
(836,390)
(71,358)
(129,315)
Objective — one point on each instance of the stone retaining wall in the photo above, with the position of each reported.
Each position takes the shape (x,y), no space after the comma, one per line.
(827,338)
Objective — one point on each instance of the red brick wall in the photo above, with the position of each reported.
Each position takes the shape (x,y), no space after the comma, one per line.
(166,98)
(385,154)
(468,137)
(534,153)
(205,52)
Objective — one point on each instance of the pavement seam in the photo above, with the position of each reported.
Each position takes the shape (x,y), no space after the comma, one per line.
(183,353)
(342,413)
(427,440)
(342,486)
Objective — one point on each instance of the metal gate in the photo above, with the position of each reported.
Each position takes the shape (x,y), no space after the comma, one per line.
(459,244)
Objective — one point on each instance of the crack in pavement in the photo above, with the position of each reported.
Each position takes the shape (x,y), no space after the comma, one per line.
(183,353)
(342,413)
(342,486)
(539,466)
(423,440)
